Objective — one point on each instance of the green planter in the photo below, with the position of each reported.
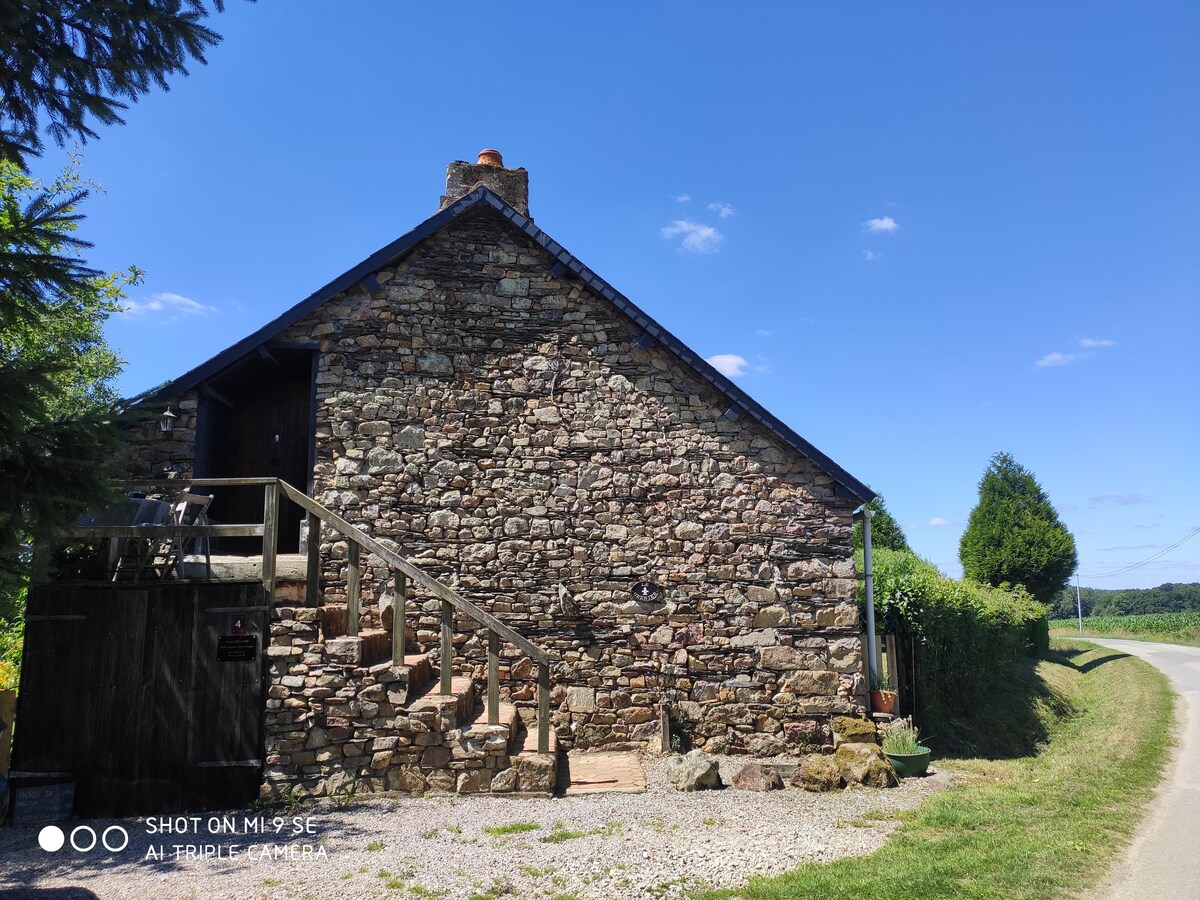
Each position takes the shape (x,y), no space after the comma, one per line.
(909,764)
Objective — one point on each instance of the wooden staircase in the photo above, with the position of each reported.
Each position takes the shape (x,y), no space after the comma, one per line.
(348,706)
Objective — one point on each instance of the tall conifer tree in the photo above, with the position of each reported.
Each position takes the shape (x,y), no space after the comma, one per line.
(1014,535)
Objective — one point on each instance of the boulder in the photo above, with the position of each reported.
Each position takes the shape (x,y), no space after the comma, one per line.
(864,764)
(848,730)
(817,773)
(694,771)
(757,777)
(535,774)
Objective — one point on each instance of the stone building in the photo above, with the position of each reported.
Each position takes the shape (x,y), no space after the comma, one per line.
(526,433)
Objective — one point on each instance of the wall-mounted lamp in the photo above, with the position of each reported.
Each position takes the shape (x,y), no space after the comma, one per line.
(167,421)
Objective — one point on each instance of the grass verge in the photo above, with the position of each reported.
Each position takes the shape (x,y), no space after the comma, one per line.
(1039,826)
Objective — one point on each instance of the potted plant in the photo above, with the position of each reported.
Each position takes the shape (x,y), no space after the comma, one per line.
(883,693)
(908,756)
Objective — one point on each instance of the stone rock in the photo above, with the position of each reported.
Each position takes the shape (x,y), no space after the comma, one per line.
(442,781)
(535,774)
(407,779)
(504,782)
(384,462)
(811,684)
(475,781)
(848,730)
(771,617)
(581,699)
(864,764)
(410,437)
(434,363)
(757,777)
(435,757)
(764,638)
(694,771)
(817,773)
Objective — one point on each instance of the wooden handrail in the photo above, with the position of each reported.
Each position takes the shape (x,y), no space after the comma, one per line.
(395,560)
(404,572)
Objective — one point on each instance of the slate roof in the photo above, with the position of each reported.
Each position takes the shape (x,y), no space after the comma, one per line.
(740,401)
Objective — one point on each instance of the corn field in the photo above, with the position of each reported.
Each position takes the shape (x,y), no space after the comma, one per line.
(1150,626)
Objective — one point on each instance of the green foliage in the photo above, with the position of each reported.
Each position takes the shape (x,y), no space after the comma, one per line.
(886,532)
(1014,535)
(966,635)
(902,740)
(1165,598)
(67,63)
(58,421)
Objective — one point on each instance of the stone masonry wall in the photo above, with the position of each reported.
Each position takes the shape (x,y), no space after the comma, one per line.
(151,453)
(334,726)
(503,427)
(517,436)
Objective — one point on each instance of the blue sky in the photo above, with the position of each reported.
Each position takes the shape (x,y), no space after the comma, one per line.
(920,234)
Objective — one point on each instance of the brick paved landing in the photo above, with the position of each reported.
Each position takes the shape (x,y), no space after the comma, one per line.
(600,773)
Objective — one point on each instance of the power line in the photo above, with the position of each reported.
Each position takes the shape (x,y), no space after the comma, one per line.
(1148,559)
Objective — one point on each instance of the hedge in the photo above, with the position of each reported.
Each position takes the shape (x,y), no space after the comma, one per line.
(966,635)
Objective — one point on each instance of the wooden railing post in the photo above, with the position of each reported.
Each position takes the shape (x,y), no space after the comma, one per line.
(399,602)
(447,646)
(353,589)
(270,537)
(493,688)
(543,718)
(312,584)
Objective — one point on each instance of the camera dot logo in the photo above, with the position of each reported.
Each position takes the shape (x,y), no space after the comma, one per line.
(51,838)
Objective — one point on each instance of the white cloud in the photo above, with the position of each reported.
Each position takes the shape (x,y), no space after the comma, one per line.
(728,364)
(884,225)
(764,332)
(724,210)
(870,256)
(175,303)
(682,198)
(1050,360)
(697,238)
(1096,342)
(939,522)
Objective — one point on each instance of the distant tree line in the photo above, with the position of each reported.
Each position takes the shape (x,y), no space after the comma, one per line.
(1165,598)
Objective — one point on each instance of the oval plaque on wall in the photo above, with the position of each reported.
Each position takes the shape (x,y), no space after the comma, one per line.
(646,590)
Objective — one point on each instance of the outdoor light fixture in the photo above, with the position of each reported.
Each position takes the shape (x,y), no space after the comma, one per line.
(167,421)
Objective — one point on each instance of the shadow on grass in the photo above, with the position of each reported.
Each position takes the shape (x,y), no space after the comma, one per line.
(1067,653)
(1012,723)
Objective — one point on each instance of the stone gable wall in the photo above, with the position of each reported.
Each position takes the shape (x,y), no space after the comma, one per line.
(502,426)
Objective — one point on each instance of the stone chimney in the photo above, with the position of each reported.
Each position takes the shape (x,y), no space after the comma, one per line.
(510,184)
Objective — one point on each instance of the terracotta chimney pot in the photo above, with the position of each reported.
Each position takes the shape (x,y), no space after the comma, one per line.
(490,158)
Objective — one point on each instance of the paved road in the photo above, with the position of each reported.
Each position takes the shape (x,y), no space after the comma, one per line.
(1163,862)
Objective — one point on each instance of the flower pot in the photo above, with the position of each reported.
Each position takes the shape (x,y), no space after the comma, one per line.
(883,701)
(909,764)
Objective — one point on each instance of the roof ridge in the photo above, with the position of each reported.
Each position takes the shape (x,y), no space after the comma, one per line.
(742,401)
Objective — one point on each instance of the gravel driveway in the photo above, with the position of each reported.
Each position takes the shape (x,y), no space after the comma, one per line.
(603,846)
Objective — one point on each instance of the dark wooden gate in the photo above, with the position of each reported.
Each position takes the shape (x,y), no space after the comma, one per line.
(124,688)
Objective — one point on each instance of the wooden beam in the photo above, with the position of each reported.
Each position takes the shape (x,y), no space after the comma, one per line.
(353,589)
(447,660)
(543,716)
(270,541)
(312,578)
(101,532)
(399,616)
(493,685)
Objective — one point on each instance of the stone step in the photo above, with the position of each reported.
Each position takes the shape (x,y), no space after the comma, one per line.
(452,709)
